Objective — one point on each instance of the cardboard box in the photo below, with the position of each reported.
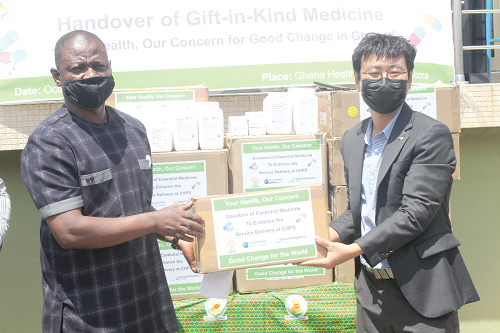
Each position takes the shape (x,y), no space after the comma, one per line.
(339,111)
(344,273)
(261,229)
(336,162)
(216,170)
(278,277)
(267,162)
(177,176)
(338,200)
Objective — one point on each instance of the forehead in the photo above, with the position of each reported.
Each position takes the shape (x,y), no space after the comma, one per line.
(383,62)
(83,49)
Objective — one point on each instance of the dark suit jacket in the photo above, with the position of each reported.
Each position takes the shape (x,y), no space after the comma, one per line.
(413,229)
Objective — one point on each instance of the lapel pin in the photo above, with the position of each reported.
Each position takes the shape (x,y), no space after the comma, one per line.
(400,138)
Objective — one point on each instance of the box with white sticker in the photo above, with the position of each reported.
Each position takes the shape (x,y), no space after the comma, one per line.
(261,229)
(177,176)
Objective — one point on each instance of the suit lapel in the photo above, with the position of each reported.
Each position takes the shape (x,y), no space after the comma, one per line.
(357,152)
(397,140)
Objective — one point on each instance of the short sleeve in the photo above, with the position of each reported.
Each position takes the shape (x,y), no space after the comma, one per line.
(50,173)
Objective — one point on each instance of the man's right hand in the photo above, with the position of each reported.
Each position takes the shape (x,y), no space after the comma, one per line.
(176,221)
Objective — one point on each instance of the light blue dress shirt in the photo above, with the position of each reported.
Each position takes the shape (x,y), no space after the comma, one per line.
(374,152)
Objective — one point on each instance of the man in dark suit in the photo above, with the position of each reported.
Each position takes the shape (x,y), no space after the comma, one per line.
(410,276)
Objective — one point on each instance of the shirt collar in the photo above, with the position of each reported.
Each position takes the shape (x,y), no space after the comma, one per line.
(387,130)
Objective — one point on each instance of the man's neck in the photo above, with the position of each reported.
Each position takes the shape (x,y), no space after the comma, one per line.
(97,115)
(380,121)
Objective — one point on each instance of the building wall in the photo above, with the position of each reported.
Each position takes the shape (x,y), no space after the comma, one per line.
(477,225)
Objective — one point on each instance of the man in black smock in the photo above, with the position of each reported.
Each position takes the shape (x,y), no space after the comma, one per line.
(88,170)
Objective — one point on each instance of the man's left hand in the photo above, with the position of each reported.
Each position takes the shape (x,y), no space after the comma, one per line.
(188,251)
(338,253)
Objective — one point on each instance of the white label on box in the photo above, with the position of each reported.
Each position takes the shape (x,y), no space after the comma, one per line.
(181,279)
(174,183)
(281,164)
(263,228)
(280,272)
(418,99)
(145,105)
(423,100)
(322,118)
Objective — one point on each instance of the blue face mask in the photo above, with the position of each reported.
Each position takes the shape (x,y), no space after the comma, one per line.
(384,95)
(91,92)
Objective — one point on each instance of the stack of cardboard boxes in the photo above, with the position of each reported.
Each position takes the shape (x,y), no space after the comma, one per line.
(177,175)
(267,162)
(240,185)
(341,110)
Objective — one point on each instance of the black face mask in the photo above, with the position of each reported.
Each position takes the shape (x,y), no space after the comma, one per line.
(384,95)
(91,92)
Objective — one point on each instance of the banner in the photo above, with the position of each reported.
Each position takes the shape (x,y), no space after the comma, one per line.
(224,45)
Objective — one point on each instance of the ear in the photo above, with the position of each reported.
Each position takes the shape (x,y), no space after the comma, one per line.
(56,76)
(357,82)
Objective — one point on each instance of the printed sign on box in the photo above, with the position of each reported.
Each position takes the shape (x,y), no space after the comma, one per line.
(263,228)
(180,277)
(276,165)
(175,183)
(287,271)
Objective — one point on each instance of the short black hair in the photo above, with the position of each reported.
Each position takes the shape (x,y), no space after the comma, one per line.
(71,37)
(383,46)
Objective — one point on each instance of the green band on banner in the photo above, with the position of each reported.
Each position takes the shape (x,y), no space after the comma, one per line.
(229,77)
